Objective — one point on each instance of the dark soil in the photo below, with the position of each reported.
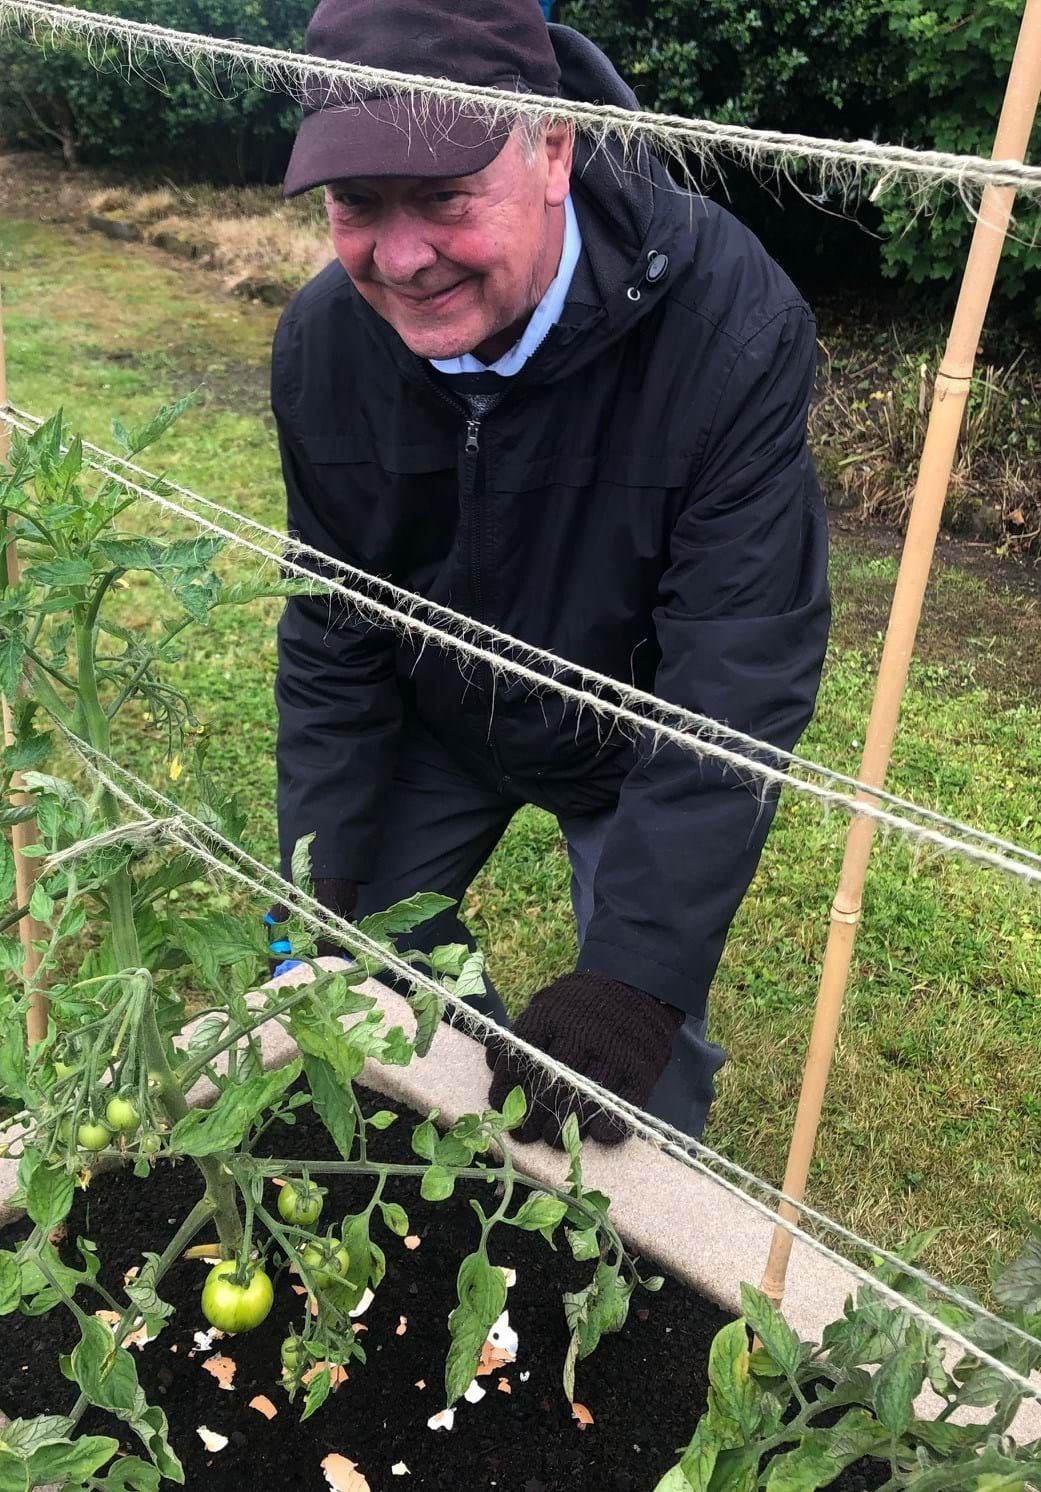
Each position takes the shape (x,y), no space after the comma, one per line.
(645,1386)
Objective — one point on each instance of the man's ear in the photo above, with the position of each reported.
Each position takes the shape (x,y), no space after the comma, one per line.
(559,144)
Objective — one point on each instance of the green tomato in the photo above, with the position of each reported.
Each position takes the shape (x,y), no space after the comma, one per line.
(300,1203)
(63,1070)
(293,1354)
(121,1115)
(231,1307)
(65,1129)
(150,1144)
(93,1135)
(327,1260)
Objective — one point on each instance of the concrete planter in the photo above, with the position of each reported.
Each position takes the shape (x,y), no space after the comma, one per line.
(681,1219)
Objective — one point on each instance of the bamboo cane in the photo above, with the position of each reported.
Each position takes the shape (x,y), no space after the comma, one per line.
(945,418)
(22,834)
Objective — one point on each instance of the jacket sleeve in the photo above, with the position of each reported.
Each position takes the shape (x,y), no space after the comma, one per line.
(742,625)
(339,708)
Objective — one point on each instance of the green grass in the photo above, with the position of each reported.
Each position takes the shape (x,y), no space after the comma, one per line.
(934,1114)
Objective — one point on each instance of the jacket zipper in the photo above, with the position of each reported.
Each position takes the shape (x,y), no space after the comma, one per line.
(471,455)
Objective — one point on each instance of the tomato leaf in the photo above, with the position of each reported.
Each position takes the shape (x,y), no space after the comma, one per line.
(48,1197)
(71,1460)
(207,1131)
(437,1184)
(332,1104)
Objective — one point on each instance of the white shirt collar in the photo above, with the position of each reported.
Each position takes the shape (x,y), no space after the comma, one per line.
(545,315)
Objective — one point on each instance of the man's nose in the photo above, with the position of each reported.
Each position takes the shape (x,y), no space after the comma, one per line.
(401,249)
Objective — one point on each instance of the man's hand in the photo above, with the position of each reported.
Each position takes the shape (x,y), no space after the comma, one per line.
(614,1034)
(340,897)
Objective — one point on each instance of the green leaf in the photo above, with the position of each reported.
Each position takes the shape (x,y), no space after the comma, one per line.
(738,1394)
(71,1460)
(896,1386)
(804,1469)
(41,906)
(48,1197)
(207,1131)
(481,1292)
(514,1109)
(585,1242)
(437,1184)
(539,1212)
(428,1009)
(471,977)
(136,439)
(332,1104)
(14,1473)
(405,915)
(12,651)
(143,1292)
(131,1474)
(63,570)
(318,1391)
(772,1330)
(10,1283)
(383,1120)
(395,1217)
(424,1139)
(1018,1287)
(300,864)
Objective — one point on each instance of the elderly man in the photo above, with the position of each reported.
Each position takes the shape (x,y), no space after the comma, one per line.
(545,387)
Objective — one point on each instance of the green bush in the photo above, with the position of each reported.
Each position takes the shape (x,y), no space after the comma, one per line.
(157,115)
(903,71)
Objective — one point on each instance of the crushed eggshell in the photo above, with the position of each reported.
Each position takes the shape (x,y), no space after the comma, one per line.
(413,1241)
(400,1469)
(504,1386)
(510,1276)
(421,1383)
(502,1335)
(343,1475)
(582,1414)
(263,1405)
(278,1181)
(402,1326)
(492,1360)
(474,1394)
(210,1439)
(443,1421)
(298,1289)
(337,1373)
(525,1376)
(131,1274)
(362,1306)
(204,1340)
(223,1369)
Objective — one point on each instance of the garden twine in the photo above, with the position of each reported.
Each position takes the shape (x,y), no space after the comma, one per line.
(434,102)
(971,844)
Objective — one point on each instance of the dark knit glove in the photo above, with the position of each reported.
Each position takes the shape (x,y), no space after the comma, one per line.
(610,1032)
(339,896)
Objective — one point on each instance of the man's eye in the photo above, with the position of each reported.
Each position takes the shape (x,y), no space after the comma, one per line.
(351,203)
(445,199)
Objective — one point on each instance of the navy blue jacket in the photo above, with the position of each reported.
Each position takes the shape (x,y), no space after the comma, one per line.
(642,501)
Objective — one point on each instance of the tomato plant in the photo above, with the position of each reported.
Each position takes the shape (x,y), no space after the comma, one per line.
(123,948)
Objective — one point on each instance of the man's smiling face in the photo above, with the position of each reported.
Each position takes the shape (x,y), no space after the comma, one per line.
(457,265)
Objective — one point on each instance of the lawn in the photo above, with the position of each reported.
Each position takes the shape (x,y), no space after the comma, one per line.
(934,1113)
